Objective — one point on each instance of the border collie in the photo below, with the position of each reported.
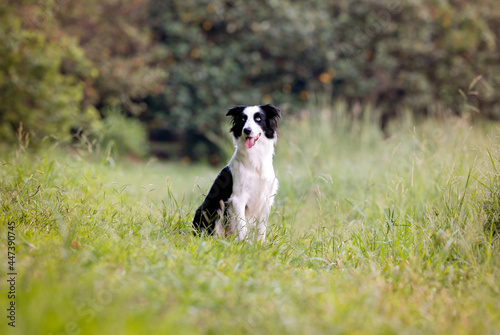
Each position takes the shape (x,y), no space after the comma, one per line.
(240,200)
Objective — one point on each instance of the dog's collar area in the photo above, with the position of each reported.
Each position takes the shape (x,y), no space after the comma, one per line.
(250,141)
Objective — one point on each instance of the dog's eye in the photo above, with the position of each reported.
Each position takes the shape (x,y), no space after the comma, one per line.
(244,118)
(258,119)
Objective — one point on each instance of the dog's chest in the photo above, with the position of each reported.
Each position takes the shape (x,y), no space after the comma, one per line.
(253,186)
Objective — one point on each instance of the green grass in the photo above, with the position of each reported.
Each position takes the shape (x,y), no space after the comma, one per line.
(368,235)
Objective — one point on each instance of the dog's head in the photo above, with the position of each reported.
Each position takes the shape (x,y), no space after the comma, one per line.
(254,123)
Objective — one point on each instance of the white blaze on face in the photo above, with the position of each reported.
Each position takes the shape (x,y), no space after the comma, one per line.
(256,131)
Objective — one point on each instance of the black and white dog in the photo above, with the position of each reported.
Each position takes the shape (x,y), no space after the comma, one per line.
(240,200)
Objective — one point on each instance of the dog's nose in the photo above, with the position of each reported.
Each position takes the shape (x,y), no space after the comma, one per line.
(247,131)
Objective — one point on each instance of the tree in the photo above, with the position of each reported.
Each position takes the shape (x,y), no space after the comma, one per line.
(33,90)
(116,38)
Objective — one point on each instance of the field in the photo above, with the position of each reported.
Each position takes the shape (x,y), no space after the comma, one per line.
(370,234)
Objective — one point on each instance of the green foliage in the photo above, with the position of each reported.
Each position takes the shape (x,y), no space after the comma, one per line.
(33,90)
(126,135)
(58,71)
(220,54)
(422,55)
(116,38)
(368,235)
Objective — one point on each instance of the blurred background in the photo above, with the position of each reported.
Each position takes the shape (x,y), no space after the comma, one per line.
(153,77)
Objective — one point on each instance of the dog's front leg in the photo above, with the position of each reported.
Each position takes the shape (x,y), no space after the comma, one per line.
(239,225)
(264,214)
(221,221)
(262,223)
(261,230)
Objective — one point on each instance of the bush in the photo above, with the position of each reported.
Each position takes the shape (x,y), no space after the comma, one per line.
(126,135)
(117,40)
(34,92)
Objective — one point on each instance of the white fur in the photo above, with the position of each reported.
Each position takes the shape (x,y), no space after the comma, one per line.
(254,183)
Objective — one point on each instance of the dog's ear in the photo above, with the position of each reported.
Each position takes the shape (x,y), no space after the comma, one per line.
(237,110)
(272,112)
(237,127)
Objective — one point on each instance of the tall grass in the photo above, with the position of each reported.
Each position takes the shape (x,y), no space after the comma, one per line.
(370,234)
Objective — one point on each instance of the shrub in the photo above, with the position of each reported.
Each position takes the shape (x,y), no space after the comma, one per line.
(126,135)
(33,90)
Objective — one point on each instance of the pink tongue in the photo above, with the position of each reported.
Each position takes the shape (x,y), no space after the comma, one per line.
(249,142)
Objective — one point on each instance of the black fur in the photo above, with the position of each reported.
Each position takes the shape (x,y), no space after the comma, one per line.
(273,113)
(207,214)
(238,120)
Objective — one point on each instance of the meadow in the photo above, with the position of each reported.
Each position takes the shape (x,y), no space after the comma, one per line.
(370,234)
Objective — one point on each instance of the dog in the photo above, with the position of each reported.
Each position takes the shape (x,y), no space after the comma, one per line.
(240,199)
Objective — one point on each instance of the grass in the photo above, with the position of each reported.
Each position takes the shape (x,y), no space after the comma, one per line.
(368,235)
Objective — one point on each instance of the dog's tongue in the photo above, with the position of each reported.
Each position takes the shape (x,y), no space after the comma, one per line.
(249,142)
